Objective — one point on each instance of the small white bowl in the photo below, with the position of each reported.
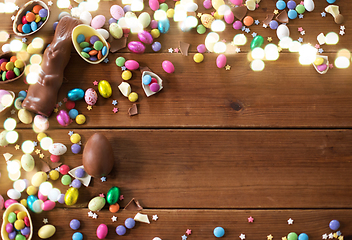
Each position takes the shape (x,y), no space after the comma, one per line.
(146,88)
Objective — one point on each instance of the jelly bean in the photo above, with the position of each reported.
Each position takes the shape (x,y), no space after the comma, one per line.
(303,236)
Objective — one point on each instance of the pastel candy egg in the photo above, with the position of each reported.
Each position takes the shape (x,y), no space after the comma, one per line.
(322,67)
(144,19)
(27,162)
(75,94)
(71,196)
(40,123)
(168,66)
(63,118)
(154,4)
(319,61)
(136,47)
(98,21)
(113,195)
(282,31)
(221,61)
(96,204)
(309,5)
(103,32)
(104,88)
(48,205)
(229,17)
(57,149)
(8,202)
(102,231)
(257,42)
(164,25)
(46,231)
(131,65)
(115,30)
(85,17)
(25,116)
(145,37)
(13,194)
(38,178)
(91,96)
(117,12)
(1,202)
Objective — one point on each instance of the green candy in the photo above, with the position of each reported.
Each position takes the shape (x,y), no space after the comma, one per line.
(257,42)
(292,236)
(17,71)
(300,9)
(98,45)
(3,76)
(84,44)
(84,54)
(201,29)
(12,217)
(20,237)
(120,61)
(113,195)
(163,6)
(66,180)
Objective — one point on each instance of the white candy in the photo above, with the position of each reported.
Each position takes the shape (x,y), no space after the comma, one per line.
(309,5)
(86,17)
(13,194)
(57,149)
(104,33)
(282,31)
(144,19)
(125,89)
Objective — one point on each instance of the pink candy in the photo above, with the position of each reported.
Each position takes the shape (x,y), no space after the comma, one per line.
(48,205)
(221,61)
(131,65)
(136,47)
(117,12)
(63,118)
(9,202)
(168,66)
(145,37)
(154,4)
(98,21)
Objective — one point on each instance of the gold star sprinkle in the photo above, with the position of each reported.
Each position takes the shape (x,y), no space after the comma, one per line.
(269,237)
(17,147)
(199,14)
(284,238)
(276,11)
(279,49)
(56,110)
(340,237)
(37,151)
(41,155)
(227,67)
(269,39)
(335,235)
(89,107)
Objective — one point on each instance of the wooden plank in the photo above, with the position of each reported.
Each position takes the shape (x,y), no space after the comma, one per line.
(218,168)
(172,224)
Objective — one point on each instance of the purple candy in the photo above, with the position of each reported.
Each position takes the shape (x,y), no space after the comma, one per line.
(153,24)
(43,13)
(25,231)
(75,148)
(154,87)
(273,24)
(156,46)
(75,224)
(76,183)
(9,227)
(63,118)
(61,198)
(12,235)
(120,230)
(112,20)
(201,48)
(80,173)
(136,47)
(237,25)
(322,68)
(129,223)
(93,58)
(291,4)
(127,8)
(39,24)
(3,60)
(93,39)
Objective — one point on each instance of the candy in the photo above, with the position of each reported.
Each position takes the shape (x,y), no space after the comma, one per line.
(73,113)
(46,231)
(102,231)
(120,61)
(96,203)
(219,232)
(292,236)
(144,19)
(77,236)
(54,175)
(25,116)
(75,148)
(75,138)
(125,89)
(221,61)
(114,208)
(71,196)
(136,47)
(334,225)
(116,12)
(48,205)
(75,224)
(98,21)
(198,57)
(126,75)
(257,42)
(156,46)
(168,66)
(164,25)
(27,162)
(57,149)
(80,119)
(105,89)
(309,5)
(154,4)
(282,31)
(131,65)
(113,195)
(62,118)
(145,37)
(248,21)
(115,30)
(38,178)
(130,223)
(120,230)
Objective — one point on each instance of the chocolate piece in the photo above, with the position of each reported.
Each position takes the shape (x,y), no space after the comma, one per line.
(184,48)
(339,19)
(54,165)
(239,12)
(117,44)
(268,18)
(45,167)
(133,205)
(133,110)
(98,157)
(42,96)
(282,17)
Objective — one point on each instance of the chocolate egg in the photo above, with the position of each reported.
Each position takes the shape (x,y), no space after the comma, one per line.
(98,157)
(136,47)
(91,96)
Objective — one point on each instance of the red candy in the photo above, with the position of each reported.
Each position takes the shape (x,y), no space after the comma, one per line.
(26,221)
(64,169)
(70,105)
(54,158)
(24,20)
(153,81)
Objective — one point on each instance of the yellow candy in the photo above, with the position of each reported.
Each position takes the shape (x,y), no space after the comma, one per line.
(19,224)
(75,138)
(198,57)
(71,196)
(155,33)
(126,75)
(133,97)
(218,16)
(37,18)
(9,66)
(54,175)
(177,3)
(31,190)
(40,136)
(319,61)
(38,178)
(19,63)
(170,13)
(24,202)
(80,119)
(104,88)
(21,214)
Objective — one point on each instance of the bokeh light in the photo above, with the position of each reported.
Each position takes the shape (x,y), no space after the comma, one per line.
(342,62)
(27,146)
(257,65)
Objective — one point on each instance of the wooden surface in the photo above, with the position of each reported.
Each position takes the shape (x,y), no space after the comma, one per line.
(214,147)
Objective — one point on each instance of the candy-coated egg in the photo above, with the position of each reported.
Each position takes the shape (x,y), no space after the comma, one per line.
(206,20)
(104,33)
(102,231)
(145,37)
(46,231)
(282,31)
(91,96)
(41,196)
(8,202)
(75,94)
(131,65)
(13,194)
(63,118)
(30,200)
(98,21)
(168,66)
(221,61)
(115,30)
(27,162)
(1,202)
(319,61)
(25,116)
(3,141)
(117,12)
(48,205)
(229,17)
(113,195)
(71,196)
(154,4)
(136,47)
(164,25)
(38,178)
(105,89)
(144,19)
(86,17)
(57,149)
(31,190)
(322,67)
(96,203)
(217,3)
(257,42)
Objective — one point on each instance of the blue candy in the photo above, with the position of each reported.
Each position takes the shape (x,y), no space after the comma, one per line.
(73,113)
(77,236)
(334,225)
(147,79)
(87,49)
(80,38)
(22,94)
(34,26)
(292,14)
(331,1)
(280,5)
(219,232)
(303,236)
(26,28)
(291,4)
(104,51)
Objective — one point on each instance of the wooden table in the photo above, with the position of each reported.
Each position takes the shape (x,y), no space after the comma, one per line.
(214,147)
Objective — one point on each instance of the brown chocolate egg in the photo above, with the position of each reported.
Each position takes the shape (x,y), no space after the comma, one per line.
(98,157)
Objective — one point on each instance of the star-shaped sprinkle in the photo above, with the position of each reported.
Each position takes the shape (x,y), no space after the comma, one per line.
(123,68)
(300,40)
(238,50)
(254,34)
(243,28)
(114,102)
(300,16)
(13,17)
(199,14)
(242,236)
(171,50)
(335,235)
(70,133)
(342,32)
(106,60)
(50,3)
(89,107)
(270,39)
(17,147)
(276,11)
(257,5)
(115,110)
(223,40)
(331,235)
(56,110)
(279,49)
(176,50)
(64,100)
(302,3)
(125,35)
(233,44)
(256,22)
(338,233)
(247,30)
(13,111)
(264,25)
(90,213)
(103,179)
(121,197)
(212,13)
(57,169)
(24,40)
(325,236)
(317,46)
(17,7)
(250,219)
(320,50)
(227,67)
(323,14)
(95,83)
(342,27)
(60,104)
(35,143)
(269,237)
(340,237)
(300,29)
(331,65)
(114,219)
(45,220)
(37,151)
(57,105)
(284,238)
(184,237)
(290,221)
(303,32)
(95,216)
(101,195)
(188,231)
(155,217)
(41,155)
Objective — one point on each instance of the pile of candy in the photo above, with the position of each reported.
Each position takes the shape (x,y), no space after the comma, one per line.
(92,47)
(10,68)
(32,20)
(19,225)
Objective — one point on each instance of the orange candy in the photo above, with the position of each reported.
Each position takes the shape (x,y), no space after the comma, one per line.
(19,27)
(93,52)
(87,39)
(37,8)
(30,17)
(108,45)
(100,55)
(3,66)
(114,208)
(13,59)
(248,21)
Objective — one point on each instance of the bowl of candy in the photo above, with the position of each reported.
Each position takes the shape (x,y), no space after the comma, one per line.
(30,18)
(11,68)
(16,216)
(89,44)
